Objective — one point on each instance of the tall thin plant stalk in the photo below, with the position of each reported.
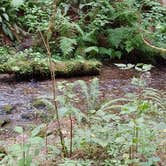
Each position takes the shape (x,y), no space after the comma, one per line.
(47,46)
(71,134)
(23,149)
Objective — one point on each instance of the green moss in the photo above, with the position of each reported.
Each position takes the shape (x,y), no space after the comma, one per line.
(39,103)
(77,68)
(5,68)
(7,108)
(92,67)
(39,68)
(22,67)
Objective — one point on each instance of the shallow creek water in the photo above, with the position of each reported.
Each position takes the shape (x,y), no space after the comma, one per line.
(113,83)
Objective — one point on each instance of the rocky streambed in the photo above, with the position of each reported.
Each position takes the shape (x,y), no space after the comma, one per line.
(19,104)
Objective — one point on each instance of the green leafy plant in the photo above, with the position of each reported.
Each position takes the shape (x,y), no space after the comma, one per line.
(91,93)
(122,131)
(8,12)
(67,46)
(24,152)
(4,55)
(36,15)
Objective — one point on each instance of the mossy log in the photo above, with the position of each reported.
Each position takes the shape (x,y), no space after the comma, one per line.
(40,69)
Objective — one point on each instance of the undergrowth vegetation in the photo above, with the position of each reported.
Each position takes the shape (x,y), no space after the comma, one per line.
(122,131)
(29,64)
(90,29)
(79,30)
(81,129)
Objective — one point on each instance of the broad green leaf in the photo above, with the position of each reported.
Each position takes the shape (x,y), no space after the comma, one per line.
(6,16)
(19,130)
(92,49)
(3,9)
(120,140)
(35,140)
(143,67)
(2,155)
(124,66)
(63,111)
(16,148)
(37,130)
(15,68)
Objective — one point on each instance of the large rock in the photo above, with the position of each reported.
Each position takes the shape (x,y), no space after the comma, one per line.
(39,103)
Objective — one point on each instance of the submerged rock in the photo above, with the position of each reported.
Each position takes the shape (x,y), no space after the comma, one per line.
(7,108)
(28,116)
(2,149)
(39,103)
(4,121)
(3,152)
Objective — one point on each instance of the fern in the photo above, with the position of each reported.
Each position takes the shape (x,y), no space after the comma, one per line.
(105,51)
(155,96)
(67,45)
(91,93)
(116,36)
(94,92)
(91,49)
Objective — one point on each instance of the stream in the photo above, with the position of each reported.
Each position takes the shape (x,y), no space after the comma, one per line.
(114,83)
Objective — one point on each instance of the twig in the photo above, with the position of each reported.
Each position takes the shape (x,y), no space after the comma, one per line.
(71,134)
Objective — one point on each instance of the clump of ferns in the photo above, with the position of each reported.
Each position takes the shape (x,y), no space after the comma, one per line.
(90,93)
(149,101)
(157,100)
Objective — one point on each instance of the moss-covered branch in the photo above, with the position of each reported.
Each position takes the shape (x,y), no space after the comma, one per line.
(162,50)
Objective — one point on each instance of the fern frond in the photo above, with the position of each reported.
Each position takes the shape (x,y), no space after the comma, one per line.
(85,89)
(91,92)
(118,35)
(92,49)
(94,92)
(156,96)
(114,104)
(67,45)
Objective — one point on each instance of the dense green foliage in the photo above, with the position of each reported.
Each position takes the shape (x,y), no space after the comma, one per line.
(92,29)
(31,64)
(126,131)
(8,17)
